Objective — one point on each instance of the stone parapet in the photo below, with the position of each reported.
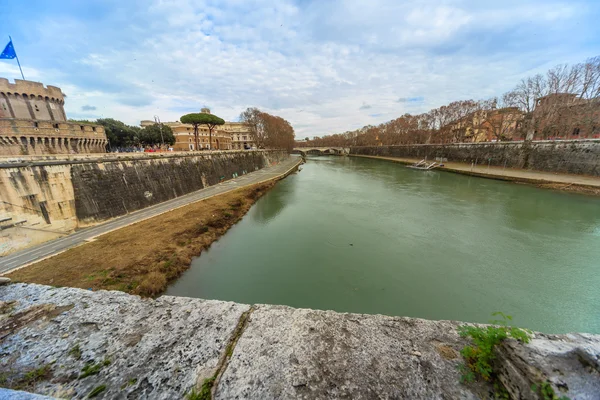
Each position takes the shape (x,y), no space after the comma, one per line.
(31,88)
(165,348)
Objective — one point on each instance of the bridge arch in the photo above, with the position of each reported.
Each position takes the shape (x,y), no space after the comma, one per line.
(340,151)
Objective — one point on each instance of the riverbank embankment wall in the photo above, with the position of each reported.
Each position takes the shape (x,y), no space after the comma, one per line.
(43,197)
(580,157)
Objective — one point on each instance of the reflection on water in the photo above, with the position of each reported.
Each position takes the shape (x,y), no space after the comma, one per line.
(371,236)
(273,204)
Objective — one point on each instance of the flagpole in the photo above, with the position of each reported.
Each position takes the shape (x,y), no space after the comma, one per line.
(17,57)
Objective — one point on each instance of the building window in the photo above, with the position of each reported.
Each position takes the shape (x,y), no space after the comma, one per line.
(575,131)
(35,124)
(81,127)
(55,126)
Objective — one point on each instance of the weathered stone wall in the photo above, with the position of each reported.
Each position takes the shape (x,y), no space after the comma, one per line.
(30,137)
(115,188)
(54,194)
(31,100)
(167,347)
(573,157)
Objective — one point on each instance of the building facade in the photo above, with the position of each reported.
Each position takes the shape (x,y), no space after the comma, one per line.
(488,125)
(230,136)
(240,135)
(566,116)
(33,122)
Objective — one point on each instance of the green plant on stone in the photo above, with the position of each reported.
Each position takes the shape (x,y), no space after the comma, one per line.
(75,352)
(93,369)
(205,391)
(479,356)
(32,377)
(96,391)
(546,391)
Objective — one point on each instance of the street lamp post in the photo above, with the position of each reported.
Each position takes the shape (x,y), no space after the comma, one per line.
(162,140)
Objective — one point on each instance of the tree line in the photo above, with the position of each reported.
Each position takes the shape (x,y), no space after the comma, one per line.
(122,136)
(268,131)
(516,114)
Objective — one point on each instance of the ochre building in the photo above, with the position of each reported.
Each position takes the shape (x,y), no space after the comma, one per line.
(33,121)
(230,136)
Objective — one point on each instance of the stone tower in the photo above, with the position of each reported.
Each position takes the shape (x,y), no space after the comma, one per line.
(33,121)
(31,100)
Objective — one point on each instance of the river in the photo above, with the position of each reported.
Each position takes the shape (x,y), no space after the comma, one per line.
(371,236)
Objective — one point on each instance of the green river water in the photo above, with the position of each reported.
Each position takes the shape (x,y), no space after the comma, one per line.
(371,236)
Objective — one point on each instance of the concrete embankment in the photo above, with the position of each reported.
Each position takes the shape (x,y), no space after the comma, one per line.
(579,157)
(75,342)
(573,183)
(45,197)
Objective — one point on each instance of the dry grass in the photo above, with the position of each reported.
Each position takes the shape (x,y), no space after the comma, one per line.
(143,258)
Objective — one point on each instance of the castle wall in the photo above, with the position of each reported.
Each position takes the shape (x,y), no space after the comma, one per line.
(19,106)
(31,100)
(33,122)
(23,137)
(4,110)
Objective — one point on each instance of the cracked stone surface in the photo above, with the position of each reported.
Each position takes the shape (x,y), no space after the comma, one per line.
(157,348)
(299,353)
(161,349)
(569,363)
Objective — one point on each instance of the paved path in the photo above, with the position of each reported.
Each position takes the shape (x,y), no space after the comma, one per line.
(510,174)
(29,255)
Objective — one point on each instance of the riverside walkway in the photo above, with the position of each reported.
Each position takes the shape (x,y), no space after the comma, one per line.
(507,174)
(53,247)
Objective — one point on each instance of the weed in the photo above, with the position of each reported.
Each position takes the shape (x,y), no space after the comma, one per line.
(27,381)
(205,391)
(201,229)
(480,355)
(546,391)
(37,375)
(227,214)
(152,284)
(93,369)
(96,391)
(131,382)
(75,352)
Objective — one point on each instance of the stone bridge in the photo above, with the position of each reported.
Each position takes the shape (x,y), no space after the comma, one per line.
(339,151)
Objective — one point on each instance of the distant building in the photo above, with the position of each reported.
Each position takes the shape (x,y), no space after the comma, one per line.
(230,136)
(566,116)
(488,125)
(33,121)
(240,135)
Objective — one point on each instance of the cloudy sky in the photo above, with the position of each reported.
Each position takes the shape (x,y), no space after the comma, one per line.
(325,65)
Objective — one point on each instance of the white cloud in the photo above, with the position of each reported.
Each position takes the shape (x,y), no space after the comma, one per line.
(312,62)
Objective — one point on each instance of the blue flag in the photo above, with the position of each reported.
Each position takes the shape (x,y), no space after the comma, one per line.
(9,52)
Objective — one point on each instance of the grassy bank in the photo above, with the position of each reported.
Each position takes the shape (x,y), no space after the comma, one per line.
(143,258)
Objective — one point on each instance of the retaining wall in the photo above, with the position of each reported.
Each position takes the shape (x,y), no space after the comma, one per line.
(62,194)
(573,156)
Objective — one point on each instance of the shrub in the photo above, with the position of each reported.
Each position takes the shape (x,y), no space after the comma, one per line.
(153,284)
(480,355)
